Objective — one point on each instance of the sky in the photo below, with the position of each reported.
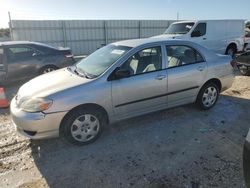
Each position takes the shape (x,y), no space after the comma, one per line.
(122,9)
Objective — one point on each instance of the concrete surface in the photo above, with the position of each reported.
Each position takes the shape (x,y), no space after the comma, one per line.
(179,147)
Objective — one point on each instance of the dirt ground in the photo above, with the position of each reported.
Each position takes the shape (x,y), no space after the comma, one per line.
(179,147)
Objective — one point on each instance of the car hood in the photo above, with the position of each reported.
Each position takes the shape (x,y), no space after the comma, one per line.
(173,36)
(51,83)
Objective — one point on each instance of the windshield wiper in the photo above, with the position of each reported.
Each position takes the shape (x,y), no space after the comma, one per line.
(82,73)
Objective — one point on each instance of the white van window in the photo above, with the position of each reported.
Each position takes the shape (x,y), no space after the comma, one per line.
(200,30)
(179,28)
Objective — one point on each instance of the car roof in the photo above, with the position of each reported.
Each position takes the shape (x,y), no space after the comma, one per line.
(10,43)
(138,42)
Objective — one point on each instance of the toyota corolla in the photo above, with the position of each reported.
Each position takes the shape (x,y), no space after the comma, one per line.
(119,81)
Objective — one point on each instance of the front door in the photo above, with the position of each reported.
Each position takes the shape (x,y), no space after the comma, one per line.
(146,87)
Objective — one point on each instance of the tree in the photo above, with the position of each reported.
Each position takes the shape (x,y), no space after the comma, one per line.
(4,32)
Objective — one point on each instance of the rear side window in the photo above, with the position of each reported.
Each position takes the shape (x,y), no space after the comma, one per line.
(20,52)
(182,55)
(200,30)
(45,50)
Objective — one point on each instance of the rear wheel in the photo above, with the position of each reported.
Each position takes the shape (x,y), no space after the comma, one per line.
(48,69)
(83,126)
(208,96)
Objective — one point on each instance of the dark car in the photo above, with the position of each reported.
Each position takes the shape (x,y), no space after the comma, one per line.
(246,160)
(243,63)
(22,60)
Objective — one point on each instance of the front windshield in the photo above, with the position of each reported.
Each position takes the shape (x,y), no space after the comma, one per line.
(179,28)
(99,61)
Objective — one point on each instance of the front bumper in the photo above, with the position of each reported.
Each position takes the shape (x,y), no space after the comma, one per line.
(246,160)
(36,125)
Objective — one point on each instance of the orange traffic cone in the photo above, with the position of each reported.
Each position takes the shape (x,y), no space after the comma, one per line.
(4,103)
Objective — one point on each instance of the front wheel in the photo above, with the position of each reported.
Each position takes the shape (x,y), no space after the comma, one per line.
(83,126)
(208,96)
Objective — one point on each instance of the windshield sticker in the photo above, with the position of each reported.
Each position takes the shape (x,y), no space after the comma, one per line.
(118,52)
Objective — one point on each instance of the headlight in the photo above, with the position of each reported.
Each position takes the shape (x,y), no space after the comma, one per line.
(36,104)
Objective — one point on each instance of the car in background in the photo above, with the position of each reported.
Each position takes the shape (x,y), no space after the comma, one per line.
(246,160)
(243,63)
(119,81)
(220,36)
(23,60)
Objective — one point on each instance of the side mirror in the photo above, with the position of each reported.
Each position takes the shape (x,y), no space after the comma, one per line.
(195,34)
(118,74)
(122,73)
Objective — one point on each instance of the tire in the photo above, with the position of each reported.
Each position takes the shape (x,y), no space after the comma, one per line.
(244,71)
(48,69)
(207,96)
(231,50)
(83,126)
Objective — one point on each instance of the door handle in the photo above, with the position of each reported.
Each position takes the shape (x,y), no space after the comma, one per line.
(160,77)
(200,68)
(204,38)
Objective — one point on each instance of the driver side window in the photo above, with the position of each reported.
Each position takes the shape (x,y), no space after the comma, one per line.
(146,60)
(200,30)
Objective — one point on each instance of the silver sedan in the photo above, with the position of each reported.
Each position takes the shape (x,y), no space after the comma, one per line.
(119,81)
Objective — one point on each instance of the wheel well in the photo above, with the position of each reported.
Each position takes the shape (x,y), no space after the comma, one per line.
(216,82)
(231,45)
(88,105)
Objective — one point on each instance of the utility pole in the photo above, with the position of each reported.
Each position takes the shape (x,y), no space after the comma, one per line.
(10,26)
(177,16)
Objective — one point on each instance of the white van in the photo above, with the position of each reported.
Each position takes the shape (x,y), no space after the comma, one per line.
(221,36)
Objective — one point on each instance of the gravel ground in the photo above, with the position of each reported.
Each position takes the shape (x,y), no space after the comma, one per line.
(179,147)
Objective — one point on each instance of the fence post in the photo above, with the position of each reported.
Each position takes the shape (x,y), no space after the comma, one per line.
(105,33)
(64,34)
(11,27)
(139,29)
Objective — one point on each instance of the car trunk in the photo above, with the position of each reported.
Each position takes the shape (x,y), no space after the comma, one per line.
(68,56)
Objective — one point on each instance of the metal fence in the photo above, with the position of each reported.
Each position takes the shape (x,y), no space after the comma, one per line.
(85,36)
(2,39)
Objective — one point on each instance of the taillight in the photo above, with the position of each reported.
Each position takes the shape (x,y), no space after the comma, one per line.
(68,55)
(233,63)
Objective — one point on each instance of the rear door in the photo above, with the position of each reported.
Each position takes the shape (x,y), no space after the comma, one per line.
(22,61)
(186,72)
(146,88)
